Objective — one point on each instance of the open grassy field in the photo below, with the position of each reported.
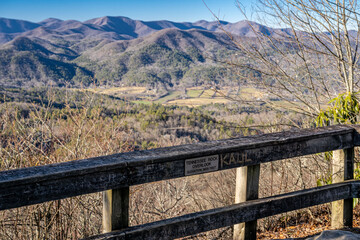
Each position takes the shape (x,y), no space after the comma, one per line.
(193,93)
(171,96)
(118,91)
(251,93)
(223,92)
(195,96)
(147,102)
(194,102)
(208,93)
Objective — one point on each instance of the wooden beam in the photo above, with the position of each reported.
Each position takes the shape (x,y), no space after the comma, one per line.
(33,185)
(343,169)
(115,209)
(247,188)
(243,212)
(356,134)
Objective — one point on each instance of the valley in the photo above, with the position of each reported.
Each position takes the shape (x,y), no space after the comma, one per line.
(191,97)
(73,90)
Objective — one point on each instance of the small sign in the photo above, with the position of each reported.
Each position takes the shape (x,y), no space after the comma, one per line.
(201,165)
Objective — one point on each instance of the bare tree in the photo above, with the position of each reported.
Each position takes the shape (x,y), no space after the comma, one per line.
(307,62)
(310,59)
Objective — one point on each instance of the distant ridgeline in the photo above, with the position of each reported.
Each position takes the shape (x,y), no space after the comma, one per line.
(119,51)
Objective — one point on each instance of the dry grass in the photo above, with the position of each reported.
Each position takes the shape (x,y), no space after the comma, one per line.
(116,91)
(194,102)
(193,93)
(250,93)
(173,95)
(208,93)
(197,95)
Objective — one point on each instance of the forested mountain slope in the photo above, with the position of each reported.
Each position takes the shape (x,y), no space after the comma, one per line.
(119,51)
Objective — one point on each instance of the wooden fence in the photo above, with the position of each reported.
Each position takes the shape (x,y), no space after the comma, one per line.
(114,174)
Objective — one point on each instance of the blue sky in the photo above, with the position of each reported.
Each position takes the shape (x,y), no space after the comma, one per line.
(173,10)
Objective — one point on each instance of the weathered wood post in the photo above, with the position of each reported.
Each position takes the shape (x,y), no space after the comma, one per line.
(247,188)
(115,209)
(342,169)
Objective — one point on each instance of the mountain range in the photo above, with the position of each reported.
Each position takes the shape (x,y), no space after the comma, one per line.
(118,51)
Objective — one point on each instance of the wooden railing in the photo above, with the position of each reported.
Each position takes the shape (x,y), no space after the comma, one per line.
(114,174)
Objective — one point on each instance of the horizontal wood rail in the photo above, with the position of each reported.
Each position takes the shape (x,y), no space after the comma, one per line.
(21,187)
(242,212)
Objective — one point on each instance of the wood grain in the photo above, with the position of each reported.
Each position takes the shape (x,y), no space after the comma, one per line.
(33,185)
(243,212)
